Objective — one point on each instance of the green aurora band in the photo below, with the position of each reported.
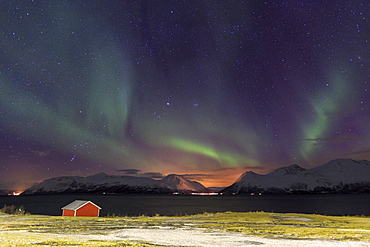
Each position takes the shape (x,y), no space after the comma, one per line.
(226,159)
(326,111)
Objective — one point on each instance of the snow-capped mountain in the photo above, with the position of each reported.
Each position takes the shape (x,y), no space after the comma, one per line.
(337,176)
(103,183)
(180,183)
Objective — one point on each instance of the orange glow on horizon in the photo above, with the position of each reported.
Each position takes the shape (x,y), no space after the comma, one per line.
(218,178)
(15,193)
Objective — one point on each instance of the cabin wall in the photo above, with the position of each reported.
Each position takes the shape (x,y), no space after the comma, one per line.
(88,210)
(67,212)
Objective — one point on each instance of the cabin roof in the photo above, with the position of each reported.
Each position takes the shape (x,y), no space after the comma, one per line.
(78,204)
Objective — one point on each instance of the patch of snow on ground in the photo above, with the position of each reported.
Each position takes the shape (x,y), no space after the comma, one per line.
(182,237)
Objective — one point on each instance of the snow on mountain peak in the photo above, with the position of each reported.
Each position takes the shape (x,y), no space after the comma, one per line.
(288,170)
(179,182)
(103,182)
(332,176)
(345,170)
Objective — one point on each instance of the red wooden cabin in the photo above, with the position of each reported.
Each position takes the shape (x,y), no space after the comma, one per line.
(81,208)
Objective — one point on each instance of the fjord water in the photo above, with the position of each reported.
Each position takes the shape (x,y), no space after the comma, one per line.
(134,205)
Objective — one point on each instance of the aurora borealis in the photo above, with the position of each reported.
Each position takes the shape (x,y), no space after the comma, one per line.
(208,89)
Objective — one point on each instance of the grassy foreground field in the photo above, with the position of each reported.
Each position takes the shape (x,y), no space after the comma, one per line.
(24,230)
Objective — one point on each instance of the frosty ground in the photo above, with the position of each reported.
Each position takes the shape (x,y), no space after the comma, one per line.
(163,237)
(178,237)
(220,229)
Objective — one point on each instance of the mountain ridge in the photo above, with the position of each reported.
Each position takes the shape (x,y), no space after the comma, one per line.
(336,176)
(104,183)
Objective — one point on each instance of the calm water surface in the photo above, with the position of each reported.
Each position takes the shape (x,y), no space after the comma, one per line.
(133,205)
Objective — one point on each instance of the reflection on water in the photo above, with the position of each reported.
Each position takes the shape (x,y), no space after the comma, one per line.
(133,205)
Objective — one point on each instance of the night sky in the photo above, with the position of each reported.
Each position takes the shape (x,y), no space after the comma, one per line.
(207,89)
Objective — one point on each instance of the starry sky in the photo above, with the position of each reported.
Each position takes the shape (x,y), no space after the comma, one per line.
(206,89)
